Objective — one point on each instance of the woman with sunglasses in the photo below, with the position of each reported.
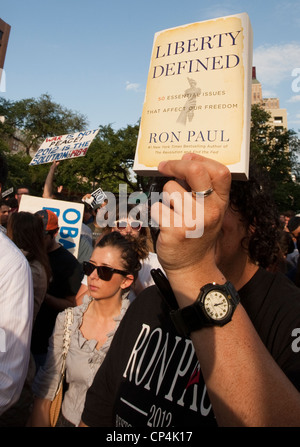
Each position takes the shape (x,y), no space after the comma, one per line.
(133,229)
(112,269)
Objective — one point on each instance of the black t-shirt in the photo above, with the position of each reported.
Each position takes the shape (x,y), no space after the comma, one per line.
(66,279)
(151,376)
(273,305)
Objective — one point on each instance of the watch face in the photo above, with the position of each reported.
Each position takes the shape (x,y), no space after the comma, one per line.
(216,305)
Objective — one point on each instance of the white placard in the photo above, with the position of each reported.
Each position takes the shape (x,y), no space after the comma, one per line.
(97,198)
(69,218)
(64,147)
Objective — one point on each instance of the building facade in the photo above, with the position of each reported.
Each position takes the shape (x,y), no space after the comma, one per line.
(271,105)
(4,35)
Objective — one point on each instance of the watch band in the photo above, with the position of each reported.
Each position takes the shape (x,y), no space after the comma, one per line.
(192,318)
(190,314)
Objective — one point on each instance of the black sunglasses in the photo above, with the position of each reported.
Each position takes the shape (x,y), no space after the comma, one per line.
(104,272)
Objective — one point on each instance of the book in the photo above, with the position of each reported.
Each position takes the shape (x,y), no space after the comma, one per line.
(198,95)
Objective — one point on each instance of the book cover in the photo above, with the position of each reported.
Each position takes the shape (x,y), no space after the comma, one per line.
(198,95)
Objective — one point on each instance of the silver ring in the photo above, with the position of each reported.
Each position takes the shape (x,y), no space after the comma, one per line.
(204,194)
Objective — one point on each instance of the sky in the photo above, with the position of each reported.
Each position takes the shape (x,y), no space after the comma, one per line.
(93,56)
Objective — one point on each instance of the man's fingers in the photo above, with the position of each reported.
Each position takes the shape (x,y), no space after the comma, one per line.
(200,173)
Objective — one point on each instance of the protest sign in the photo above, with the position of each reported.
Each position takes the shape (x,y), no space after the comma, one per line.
(7,192)
(69,218)
(64,147)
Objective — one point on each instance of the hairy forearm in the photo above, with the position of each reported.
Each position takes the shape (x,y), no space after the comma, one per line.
(245,384)
(241,377)
(240,374)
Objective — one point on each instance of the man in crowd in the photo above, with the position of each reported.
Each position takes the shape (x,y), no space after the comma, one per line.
(16,313)
(4,213)
(20,191)
(212,356)
(294,229)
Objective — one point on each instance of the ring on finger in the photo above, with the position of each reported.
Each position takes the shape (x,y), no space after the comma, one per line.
(205,193)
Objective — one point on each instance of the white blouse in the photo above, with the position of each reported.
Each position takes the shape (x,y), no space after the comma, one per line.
(82,362)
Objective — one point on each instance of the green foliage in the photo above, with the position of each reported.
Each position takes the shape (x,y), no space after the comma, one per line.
(287,196)
(21,174)
(37,119)
(109,160)
(276,152)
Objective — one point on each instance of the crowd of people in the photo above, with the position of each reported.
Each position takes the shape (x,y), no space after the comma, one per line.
(166,330)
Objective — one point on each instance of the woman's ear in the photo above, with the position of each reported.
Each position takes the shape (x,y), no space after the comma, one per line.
(126,283)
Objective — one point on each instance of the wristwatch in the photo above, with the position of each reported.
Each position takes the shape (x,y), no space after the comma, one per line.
(214,306)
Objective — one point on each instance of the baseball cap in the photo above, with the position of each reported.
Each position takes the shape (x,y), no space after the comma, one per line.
(49,218)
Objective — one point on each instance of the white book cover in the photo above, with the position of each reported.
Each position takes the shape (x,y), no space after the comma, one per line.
(198,95)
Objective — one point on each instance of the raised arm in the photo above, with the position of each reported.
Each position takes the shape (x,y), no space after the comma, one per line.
(48,186)
(240,374)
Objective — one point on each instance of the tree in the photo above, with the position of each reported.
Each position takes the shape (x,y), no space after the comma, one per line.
(30,121)
(21,174)
(109,159)
(276,152)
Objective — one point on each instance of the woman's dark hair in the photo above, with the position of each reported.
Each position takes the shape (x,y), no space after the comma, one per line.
(26,230)
(128,247)
(254,201)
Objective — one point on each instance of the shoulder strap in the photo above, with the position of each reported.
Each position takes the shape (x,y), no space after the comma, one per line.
(66,344)
(67,336)
(67,333)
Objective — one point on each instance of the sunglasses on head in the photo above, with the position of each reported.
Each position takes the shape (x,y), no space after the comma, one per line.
(104,272)
(134,224)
